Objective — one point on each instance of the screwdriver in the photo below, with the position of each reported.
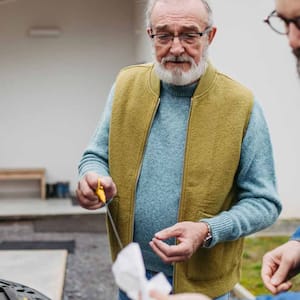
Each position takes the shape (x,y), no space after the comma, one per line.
(102,197)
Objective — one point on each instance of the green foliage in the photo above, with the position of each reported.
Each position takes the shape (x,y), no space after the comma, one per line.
(255,248)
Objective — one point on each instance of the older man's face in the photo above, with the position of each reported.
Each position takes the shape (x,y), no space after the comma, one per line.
(290,9)
(180,52)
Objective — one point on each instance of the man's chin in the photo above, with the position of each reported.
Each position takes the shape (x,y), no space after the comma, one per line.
(177,68)
(177,77)
(177,71)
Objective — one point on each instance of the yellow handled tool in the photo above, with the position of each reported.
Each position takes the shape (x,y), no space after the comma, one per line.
(102,197)
(100,192)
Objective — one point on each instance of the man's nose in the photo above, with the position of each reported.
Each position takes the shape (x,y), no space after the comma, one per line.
(294,36)
(176,46)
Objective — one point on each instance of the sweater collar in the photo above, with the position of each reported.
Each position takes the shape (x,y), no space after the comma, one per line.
(179,91)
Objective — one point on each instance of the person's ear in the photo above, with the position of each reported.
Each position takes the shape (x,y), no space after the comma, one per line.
(211,34)
(149,31)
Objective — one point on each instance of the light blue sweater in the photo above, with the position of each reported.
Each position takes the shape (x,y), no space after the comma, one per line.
(159,186)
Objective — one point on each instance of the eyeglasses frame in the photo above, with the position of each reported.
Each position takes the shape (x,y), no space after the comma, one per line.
(200,34)
(287,21)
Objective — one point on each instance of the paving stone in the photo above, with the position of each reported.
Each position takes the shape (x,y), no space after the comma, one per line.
(88,272)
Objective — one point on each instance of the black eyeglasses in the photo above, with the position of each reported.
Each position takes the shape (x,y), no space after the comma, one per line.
(280,24)
(187,38)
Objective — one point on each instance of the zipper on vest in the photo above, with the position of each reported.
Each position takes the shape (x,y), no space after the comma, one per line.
(140,166)
(182,181)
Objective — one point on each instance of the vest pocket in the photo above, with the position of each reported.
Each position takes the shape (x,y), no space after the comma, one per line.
(216,262)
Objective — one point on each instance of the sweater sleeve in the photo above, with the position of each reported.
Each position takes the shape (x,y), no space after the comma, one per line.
(282,296)
(296,235)
(95,156)
(258,205)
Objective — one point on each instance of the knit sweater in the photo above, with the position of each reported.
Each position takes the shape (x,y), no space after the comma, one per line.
(258,204)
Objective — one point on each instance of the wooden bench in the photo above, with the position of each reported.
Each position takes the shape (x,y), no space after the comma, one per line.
(26,174)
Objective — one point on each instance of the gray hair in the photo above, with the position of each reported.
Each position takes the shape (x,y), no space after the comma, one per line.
(151,4)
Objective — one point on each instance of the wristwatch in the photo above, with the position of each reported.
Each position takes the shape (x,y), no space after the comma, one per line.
(207,240)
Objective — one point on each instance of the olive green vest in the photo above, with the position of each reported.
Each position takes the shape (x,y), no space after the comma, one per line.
(220,111)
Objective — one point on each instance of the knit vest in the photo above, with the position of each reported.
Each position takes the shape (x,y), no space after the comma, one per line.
(219,115)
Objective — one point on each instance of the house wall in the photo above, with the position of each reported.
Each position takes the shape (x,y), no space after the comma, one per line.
(52,90)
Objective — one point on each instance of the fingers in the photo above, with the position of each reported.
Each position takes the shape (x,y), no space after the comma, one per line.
(86,196)
(283,287)
(280,274)
(86,190)
(194,231)
(109,187)
(170,253)
(269,267)
(189,236)
(158,296)
(173,231)
(279,265)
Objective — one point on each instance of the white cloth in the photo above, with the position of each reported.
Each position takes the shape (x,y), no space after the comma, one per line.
(130,275)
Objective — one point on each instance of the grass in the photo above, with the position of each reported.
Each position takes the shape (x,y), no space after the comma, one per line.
(255,248)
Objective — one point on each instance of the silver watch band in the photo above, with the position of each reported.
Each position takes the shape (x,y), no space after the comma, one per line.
(207,240)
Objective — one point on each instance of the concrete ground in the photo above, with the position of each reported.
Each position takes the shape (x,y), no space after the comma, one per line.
(86,273)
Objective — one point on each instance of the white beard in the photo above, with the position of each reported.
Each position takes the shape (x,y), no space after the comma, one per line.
(178,77)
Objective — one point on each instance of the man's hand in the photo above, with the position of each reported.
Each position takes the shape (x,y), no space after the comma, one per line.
(189,296)
(189,235)
(279,265)
(86,190)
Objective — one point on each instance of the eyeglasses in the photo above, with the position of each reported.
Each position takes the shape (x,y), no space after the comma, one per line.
(280,24)
(186,38)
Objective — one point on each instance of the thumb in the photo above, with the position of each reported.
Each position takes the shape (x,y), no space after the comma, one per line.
(167,233)
(156,295)
(280,275)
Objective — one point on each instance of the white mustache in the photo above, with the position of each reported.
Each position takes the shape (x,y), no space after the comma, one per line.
(176,59)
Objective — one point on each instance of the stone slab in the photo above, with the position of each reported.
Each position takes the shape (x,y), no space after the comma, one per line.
(42,270)
(23,208)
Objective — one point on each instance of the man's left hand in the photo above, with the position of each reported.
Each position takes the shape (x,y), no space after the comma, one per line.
(189,235)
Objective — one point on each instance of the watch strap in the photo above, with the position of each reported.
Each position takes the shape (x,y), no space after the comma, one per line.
(208,238)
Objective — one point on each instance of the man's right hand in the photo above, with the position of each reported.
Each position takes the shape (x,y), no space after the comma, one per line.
(279,265)
(86,190)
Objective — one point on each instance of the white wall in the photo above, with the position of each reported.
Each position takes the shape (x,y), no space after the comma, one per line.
(249,51)
(246,49)
(142,42)
(52,90)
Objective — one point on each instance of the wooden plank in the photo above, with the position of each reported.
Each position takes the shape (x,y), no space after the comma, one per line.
(26,174)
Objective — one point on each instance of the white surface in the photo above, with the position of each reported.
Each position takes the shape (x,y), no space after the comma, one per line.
(130,275)
(242,293)
(39,207)
(248,50)
(42,270)
(53,89)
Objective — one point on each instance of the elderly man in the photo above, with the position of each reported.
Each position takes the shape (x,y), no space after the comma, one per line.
(185,153)
(282,263)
